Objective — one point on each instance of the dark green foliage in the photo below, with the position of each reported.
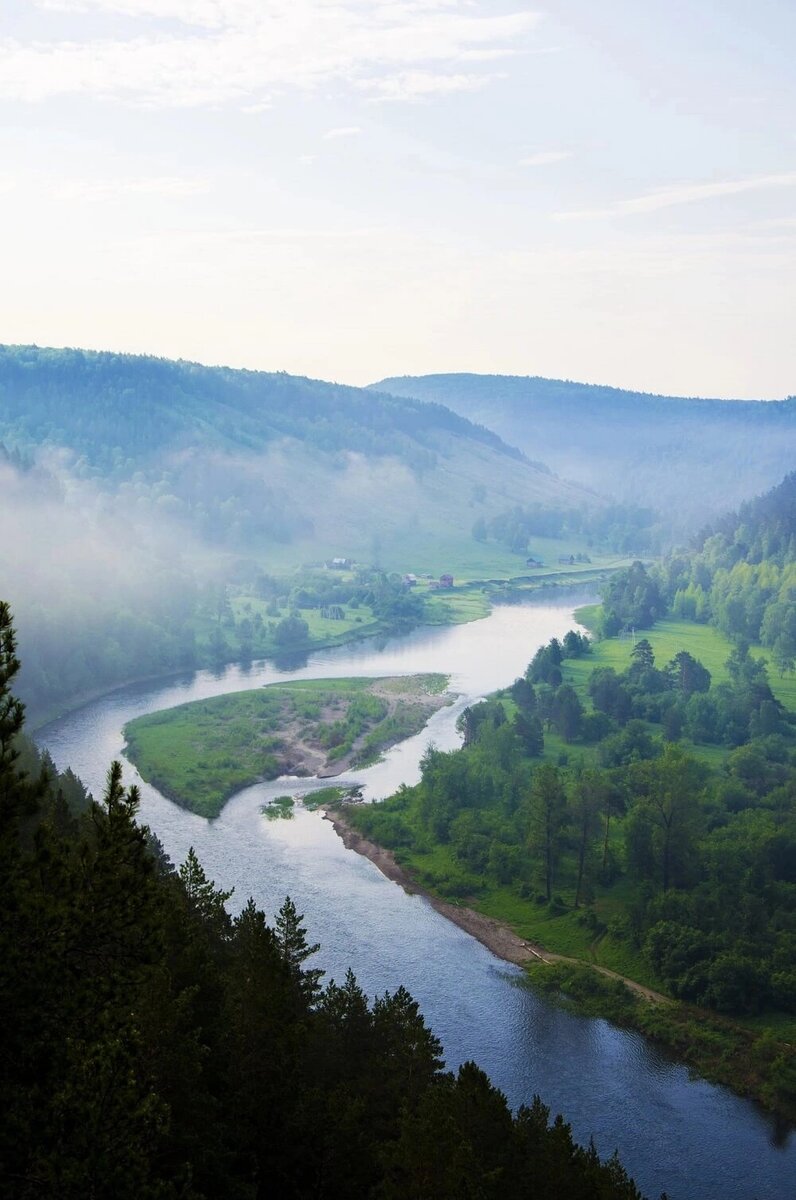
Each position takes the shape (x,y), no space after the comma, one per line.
(548,815)
(153,1048)
(530,734)
(567,713)
(681,699)
(545,666)
(742,576)
(687,675)
(291,631)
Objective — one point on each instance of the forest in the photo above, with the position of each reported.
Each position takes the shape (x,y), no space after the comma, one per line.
(155,1046)
(642,816)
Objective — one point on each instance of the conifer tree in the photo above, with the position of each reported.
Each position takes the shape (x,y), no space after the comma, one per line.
(291,939)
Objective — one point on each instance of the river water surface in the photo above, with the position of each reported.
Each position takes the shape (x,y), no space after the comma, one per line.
(687,1137)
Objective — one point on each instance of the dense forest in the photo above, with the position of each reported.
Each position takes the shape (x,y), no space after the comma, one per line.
(153,1045)
(118,412)
(689,458)
(648,807)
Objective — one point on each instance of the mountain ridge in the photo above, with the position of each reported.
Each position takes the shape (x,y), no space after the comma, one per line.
(636,446)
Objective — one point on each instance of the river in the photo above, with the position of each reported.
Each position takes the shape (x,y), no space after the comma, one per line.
(673,1133)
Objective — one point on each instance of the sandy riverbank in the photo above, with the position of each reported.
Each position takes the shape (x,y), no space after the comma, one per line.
(497,937)
(493,934)
(410,696)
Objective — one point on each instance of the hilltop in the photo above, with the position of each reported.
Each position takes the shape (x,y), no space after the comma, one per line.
(249,458)
(697,457)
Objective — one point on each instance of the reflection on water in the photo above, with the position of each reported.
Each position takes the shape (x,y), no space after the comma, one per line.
(683,1135)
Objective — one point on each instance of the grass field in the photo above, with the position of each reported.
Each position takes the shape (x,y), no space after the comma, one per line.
(356,622)
(704,642)
(200,754)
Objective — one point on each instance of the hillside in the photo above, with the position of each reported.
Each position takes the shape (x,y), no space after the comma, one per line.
(245,457)
(696,456)
(139,496)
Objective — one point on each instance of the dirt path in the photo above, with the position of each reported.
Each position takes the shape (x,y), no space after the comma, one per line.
(493,934)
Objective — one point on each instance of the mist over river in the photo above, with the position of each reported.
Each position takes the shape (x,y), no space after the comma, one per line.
(685,1136)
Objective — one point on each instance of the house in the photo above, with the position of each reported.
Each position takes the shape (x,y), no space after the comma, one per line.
(446,581)
(339,564)
(567,560)
(534,562)
(409,580)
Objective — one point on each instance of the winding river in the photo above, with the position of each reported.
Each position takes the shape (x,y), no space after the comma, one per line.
(686,1136)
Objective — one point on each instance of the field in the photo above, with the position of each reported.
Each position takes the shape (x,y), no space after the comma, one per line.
(200,754)
(704,642)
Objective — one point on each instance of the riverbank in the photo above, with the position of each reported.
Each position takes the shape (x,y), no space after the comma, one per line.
(498,937)
(38,718)
(755,1066)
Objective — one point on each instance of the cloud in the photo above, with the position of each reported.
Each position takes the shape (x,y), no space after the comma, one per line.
(245,52)
(345,131)
(544,158)
(418,85)
(689,193)
(105,189)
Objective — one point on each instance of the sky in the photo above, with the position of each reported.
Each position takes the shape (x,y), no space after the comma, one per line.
(350,189)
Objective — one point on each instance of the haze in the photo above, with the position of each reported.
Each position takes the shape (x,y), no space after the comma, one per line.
(355,190)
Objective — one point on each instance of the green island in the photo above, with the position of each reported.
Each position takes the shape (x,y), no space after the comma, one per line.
(627,807)
(200,754)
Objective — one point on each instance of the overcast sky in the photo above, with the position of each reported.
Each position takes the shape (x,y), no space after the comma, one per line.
(356,188)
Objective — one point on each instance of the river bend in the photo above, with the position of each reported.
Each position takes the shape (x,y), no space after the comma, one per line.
(695,1140)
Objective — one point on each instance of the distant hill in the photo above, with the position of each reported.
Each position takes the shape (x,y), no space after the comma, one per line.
(247,458)
(691,457)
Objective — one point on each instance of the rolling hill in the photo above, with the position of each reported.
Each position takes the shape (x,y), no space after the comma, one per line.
(692,457)
(138,495)
(248,459)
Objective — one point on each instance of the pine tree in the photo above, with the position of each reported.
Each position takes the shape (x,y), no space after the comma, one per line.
(291,939)
(207,901)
